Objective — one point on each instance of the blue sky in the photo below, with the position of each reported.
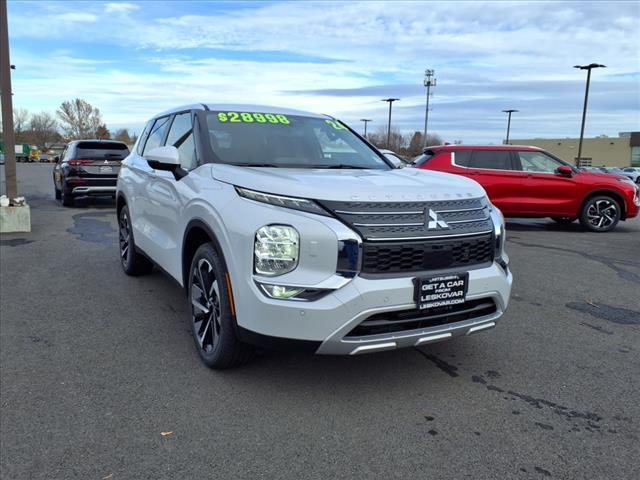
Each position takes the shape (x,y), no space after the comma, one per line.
(134,59)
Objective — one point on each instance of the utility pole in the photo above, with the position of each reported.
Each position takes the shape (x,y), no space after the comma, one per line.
(429,81)
(365,120)
(7,106)
(390,101)
(588,68)
(508,124)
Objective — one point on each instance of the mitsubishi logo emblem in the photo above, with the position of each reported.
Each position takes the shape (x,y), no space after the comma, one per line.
(433,222)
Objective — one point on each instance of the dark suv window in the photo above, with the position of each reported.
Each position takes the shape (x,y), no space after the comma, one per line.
(101,151)
(491,159)
(462,157)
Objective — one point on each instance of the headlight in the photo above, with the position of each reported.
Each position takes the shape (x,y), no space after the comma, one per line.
(280,201)
(276,250)
(500,234)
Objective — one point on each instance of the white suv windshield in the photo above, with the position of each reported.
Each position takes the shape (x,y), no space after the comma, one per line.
(287,141)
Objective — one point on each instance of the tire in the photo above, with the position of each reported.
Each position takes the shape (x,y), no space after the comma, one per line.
(212,323)
(564,220)
(600,213)
(66,197)
(58,194)
(133,263)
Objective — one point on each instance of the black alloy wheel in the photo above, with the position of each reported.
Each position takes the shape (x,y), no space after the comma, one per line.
(133,263)
(212,317)
(600,214)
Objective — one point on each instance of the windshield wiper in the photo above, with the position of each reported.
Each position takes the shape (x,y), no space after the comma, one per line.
(256,165)
(341,165)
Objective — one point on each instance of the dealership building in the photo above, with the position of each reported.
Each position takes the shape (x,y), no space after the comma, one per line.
(620,151)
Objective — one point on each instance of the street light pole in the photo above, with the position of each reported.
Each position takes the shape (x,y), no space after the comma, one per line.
(429,81)
(588,68)
(508,124)
(365,120)
(390,101)
(7,106)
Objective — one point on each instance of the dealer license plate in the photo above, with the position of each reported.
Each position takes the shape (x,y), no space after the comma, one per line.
(440,291)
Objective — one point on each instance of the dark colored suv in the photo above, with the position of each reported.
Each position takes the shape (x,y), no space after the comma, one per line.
(88,167)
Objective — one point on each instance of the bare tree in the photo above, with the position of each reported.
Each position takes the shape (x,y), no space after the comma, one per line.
(122,135)
(79,118)
(20,122)
(433,139)
(396,140)
(43,128)
(415,144)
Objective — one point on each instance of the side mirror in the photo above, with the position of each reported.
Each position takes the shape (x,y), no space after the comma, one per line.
(163,158)
(56,159)
(564,170)
(166,158)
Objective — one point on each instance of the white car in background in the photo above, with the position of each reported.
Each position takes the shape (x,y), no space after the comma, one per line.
(394,158)
(633,173)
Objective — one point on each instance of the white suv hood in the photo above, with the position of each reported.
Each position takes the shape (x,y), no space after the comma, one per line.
(406,184)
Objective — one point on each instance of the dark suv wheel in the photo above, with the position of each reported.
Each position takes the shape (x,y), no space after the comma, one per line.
(66,197)
(600,213)
(212,322)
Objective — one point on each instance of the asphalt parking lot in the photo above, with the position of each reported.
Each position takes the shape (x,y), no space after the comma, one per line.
(95,366)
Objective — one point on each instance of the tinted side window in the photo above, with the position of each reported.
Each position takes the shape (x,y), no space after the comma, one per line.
(462,157)
(538,162)
(156,135)
(181,137)
(491,159)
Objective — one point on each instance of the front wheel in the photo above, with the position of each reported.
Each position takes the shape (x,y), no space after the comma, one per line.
(600,214)
(564,220)
(212,322)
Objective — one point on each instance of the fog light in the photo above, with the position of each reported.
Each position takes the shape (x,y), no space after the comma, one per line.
(281,291)
(276,250)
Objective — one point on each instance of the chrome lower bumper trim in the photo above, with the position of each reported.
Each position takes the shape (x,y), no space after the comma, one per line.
(89,190)
(339,344)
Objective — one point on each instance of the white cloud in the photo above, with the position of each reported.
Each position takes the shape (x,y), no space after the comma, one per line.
(492,55)
(73,17)
(120,7)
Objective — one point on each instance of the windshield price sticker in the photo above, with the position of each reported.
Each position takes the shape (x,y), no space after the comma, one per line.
(252,117)
(335,124)
(441,291)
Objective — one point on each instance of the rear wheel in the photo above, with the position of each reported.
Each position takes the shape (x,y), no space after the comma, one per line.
(600,214)
(564,220)
(133,263)
(212,322)
(66,197)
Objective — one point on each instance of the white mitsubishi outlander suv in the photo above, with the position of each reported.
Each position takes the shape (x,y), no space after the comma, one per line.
(288,229)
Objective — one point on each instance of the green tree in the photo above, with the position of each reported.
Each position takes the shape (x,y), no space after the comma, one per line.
(103,132)
(122,135)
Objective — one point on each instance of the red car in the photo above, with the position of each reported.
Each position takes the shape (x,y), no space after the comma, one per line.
(529,182)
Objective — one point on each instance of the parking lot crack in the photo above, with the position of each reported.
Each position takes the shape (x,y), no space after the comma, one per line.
(447,368)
